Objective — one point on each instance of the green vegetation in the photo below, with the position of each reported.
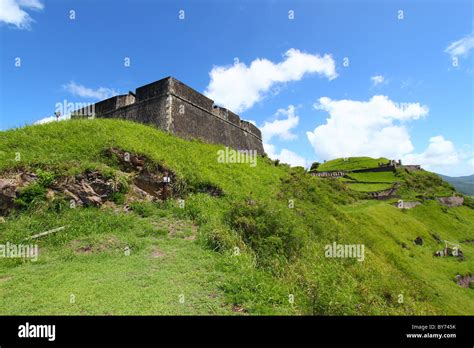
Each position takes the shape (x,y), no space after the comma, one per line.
(248,251)
(423,184)
(363,187)
(374,177)
(464,184)
(352,163)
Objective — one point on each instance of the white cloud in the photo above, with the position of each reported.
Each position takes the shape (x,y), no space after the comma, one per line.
(281,128)
(462,47)
(85,92)
(364,128)
(14,12)
(440,152)
(285,156)
(52,119)
(239,87)
(376,128)
(377,80)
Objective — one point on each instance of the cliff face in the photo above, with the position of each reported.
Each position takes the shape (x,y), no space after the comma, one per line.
(172,106)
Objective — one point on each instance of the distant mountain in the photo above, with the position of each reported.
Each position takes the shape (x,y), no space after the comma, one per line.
(464,184)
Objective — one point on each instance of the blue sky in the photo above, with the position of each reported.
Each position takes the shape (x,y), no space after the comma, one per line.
(338,78)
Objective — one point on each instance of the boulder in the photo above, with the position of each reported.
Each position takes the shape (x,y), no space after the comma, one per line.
(418,241)
(453,201)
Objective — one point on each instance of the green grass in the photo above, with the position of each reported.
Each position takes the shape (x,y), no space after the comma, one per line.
(363,187)
(352,163)
(374,177)
(246,252)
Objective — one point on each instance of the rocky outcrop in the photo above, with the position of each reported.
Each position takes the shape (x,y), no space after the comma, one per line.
(9,188)
(464,281)
(453,201)
(139,177)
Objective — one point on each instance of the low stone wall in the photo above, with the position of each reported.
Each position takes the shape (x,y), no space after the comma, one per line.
(335,174)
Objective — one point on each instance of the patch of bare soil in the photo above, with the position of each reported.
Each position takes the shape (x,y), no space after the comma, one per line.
(85,247)
(157,253)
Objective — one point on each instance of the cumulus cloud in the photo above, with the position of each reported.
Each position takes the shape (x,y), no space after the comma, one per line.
(86,92)
(364,128)
(281,128)
(440,152)
(461,47)
(14,12)
(239,87)
(52,119)
(285,156)
(377,80)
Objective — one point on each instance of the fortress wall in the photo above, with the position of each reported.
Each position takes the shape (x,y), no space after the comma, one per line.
(179,89)
(106,105)
(233,117)
(197,123)
(124,100)
(151,112)
(172,106)
(152,90)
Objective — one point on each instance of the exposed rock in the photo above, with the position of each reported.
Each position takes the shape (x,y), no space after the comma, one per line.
(464,281)
(136,192)
(153,179)
(50,194)
(453,201)
(418,241)
(8,188)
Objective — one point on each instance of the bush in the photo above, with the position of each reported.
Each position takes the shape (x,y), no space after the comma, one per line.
(30,194)
(271,233)
(117,197)
(469,202)
(45,178)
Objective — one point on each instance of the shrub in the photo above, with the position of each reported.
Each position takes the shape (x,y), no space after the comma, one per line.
(117,197)
(270,232)
(45,178)
(30,194)
(469,202)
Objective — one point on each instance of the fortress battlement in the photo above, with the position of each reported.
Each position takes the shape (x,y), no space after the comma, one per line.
(174,107)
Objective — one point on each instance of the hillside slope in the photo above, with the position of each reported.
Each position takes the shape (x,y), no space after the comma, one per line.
(464,184)
(228,239)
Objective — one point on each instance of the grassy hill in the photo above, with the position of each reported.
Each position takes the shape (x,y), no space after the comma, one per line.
(351,163)
(256,248)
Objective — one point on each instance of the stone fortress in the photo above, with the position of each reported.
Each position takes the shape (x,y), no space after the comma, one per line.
(172,106)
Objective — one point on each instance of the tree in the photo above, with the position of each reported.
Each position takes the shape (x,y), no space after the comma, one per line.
(314,166)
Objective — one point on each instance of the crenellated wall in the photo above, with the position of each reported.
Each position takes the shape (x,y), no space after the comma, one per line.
(176,108)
